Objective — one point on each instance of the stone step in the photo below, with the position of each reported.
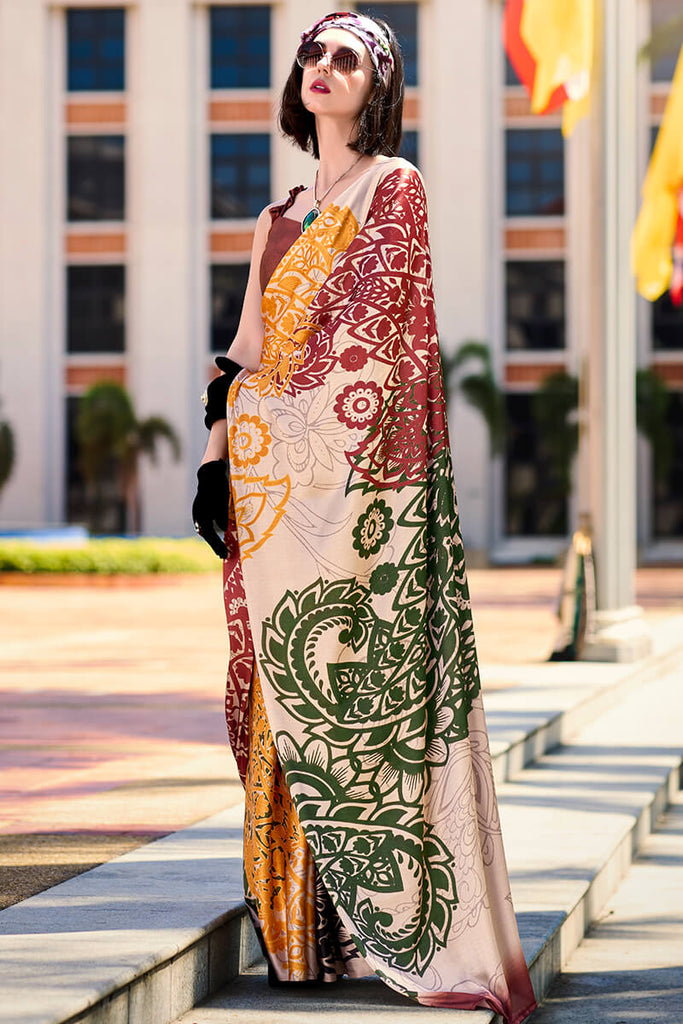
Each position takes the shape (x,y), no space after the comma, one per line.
(628,968)
(572,822)
(141,939)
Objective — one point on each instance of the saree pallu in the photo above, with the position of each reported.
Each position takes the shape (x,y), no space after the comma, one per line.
(347,599)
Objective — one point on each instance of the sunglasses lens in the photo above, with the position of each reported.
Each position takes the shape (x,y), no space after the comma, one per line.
(345,61)
(309,55)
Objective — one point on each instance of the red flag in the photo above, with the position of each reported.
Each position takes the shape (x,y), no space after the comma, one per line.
(521,58)
(676,286)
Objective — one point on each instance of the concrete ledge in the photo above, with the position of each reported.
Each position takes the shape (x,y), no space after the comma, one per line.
(141,938)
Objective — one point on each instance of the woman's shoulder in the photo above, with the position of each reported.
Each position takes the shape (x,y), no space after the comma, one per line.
(392,164)
(397,175)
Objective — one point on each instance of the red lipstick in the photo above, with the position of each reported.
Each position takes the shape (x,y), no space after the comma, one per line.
(319,86)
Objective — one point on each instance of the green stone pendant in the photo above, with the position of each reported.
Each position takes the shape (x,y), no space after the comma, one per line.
(309,218)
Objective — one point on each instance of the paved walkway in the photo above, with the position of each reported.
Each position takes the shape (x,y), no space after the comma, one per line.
(111,730)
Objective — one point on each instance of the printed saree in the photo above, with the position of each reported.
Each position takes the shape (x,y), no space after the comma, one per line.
(349,612)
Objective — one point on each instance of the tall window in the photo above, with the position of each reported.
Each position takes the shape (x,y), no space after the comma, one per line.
(663,12)
(511,77)
(536,503)
(240,174)
(668,493)
(95,177)
(534,172)
(228,282)
(403,19)
(535,305)
(95,49)
(95,309)
(240,47)
(410,147)
(667,324)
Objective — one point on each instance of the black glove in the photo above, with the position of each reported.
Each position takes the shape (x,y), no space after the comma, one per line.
(211,503)
(216,395)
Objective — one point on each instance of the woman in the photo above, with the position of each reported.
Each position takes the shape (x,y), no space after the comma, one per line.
(372,840)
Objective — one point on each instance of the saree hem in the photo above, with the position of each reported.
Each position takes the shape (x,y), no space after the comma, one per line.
(472,1001)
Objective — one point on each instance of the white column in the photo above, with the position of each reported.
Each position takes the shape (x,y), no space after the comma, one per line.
(621,634)
(161,278)
(29,374)
(455,151)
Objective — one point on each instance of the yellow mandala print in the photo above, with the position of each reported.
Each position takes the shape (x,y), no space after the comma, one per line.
(259,504)
(249,441)
(290,291)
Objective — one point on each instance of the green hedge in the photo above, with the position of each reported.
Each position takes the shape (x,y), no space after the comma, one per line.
(109,557)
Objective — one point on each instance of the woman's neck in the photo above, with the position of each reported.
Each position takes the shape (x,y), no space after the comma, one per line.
(335,155)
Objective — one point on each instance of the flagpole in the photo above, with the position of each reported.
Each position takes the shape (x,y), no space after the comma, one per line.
(607,478)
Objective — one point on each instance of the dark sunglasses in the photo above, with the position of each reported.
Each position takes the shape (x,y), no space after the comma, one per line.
(345,60)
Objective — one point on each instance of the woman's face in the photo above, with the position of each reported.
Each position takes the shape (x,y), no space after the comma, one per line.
(325,91)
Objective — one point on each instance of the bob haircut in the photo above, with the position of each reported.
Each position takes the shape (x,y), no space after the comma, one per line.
(379,123)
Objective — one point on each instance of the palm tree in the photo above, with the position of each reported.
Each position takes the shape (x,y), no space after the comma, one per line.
(112,439)
(653,401)
(554,409)
(6,452)
(478,388)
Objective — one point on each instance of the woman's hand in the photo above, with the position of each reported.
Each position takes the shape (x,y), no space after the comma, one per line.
(211,504)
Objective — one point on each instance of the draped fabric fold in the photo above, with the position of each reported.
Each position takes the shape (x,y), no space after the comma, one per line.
(349,594)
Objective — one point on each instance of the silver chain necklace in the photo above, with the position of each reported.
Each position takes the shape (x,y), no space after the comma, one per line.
(314,212)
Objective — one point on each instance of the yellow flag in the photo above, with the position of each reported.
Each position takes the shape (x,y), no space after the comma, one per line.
(560,35)
(653,236)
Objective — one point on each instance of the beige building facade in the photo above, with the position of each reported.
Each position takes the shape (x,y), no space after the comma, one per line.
(137,144)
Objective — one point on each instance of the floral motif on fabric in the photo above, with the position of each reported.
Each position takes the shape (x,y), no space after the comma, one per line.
(373,528)
(384,578)
(353,358)
(308,438)
(260,505)
(359,405)
(249,441)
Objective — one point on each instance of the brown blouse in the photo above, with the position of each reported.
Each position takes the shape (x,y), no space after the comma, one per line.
(284,231)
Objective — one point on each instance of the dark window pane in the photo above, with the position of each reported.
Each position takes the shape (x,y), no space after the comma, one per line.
(240,47)
(228,283)
(403,20)
(76,499)
(240,175)
(410,147)
(95,49)
(534,172)
(667,324)
(535,314)
(510,73)
(95,309)
(535,502)
(668,493)
(95,177)
(664,11)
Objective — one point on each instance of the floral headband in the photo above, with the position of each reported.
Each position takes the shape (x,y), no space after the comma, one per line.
(367,30)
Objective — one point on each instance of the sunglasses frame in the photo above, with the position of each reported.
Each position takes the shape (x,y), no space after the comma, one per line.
(325,54)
